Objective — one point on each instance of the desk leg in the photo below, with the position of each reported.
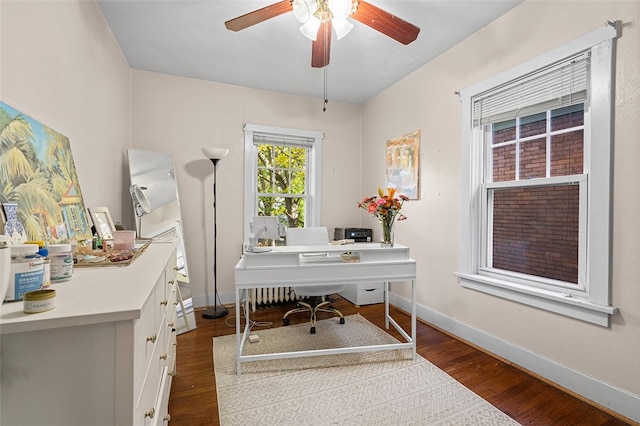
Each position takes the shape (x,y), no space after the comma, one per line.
(413,317)
(386,304)
(238,332)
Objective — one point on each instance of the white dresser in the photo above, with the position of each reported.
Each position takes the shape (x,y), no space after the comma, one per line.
(104,356)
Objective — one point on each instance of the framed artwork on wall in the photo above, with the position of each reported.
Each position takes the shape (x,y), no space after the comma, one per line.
(403,165)
(39,177)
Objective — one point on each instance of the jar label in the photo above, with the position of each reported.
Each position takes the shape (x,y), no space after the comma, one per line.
(61,267)
(25,277)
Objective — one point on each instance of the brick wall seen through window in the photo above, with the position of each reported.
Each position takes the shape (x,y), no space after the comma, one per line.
(535,229)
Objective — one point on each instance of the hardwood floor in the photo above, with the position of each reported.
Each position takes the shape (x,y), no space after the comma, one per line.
(526,399)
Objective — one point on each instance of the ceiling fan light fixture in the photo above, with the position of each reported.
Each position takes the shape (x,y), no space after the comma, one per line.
(320,17)
(341,27)
(303,9)
(340,9)
(310,28)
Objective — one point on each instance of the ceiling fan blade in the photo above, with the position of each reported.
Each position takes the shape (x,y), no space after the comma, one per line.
(388,24)
(259,15)
(321,48)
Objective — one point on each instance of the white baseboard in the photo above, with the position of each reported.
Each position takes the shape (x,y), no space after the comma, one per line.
(603,394)
(201,301)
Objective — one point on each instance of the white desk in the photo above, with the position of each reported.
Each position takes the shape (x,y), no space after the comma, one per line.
(312,265)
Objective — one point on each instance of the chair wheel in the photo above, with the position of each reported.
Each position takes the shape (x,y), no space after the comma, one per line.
(313,330)
(285,321)
(341,320)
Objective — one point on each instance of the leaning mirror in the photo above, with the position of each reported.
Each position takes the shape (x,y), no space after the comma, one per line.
(153,174)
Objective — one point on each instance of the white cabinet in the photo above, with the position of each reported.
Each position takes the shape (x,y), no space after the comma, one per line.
(364,293)
(104,356)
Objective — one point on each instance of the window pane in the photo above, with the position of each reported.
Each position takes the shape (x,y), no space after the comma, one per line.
(503,132)
(503,154)
(297,182)
(567,153)
(568,117)
(504,163)
(289,210)
(265,155)
(535,231)
(265,180)
(281,156)
(294,209)
(281,178)
(298,158)
(533,159)
(533,125)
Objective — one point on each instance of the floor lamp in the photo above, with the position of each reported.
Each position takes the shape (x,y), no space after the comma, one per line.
(217,311)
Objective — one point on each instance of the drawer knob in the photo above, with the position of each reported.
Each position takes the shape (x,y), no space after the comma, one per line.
(170,324)
(163,356)
(164,302)
(171,373)
(167,418)
(150,413)
(152,338)
(172,282)
(176,303)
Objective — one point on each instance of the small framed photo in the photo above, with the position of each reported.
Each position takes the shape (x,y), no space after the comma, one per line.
(102,222)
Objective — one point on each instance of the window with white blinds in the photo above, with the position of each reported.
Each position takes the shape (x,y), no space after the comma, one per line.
(282,174)
(536,153)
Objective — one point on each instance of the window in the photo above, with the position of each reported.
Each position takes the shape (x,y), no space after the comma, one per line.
(282,175)
(536,160)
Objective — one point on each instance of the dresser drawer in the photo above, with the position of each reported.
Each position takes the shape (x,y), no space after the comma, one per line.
(146,410)
(162,416)
(364,293)
(145,341)
(161,298)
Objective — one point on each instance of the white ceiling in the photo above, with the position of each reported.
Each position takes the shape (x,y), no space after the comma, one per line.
(188,38)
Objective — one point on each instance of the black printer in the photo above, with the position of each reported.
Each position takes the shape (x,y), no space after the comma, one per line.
(359,235)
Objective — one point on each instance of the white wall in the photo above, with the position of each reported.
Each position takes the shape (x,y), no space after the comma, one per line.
(426,100)
(61,66)
(178,115)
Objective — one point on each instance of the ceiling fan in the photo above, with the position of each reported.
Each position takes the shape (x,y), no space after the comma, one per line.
(320,17)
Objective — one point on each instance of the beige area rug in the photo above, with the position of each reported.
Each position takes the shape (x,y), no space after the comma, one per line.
(375,388)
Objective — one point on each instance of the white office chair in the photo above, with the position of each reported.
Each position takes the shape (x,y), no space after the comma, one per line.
(312,236)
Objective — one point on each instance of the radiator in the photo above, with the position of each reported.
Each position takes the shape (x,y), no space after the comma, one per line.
(270,296)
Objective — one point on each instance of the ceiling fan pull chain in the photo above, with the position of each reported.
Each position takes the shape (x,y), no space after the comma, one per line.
(327,39)
(326,100)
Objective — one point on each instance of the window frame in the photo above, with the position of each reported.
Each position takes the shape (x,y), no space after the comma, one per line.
(313,170)
(592,303)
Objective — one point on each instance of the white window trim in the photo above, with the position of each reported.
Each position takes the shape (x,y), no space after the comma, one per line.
(595,305)
(313,172)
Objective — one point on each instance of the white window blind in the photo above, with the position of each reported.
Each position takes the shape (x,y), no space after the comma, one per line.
(564,83)
(276,139)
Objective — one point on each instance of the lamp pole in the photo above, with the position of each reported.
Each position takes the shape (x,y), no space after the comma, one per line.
(217,311)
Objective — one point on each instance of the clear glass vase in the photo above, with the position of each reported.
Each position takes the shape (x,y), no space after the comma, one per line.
(387,231)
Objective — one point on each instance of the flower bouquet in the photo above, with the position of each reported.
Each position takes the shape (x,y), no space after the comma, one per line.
(386,207)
